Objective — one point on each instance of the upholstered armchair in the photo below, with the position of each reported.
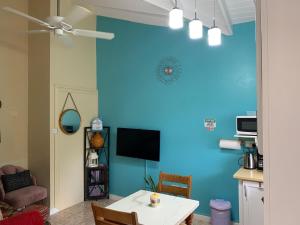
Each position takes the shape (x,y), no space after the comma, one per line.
(22,197)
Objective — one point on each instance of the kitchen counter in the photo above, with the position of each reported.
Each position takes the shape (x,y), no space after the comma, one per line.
(249,175)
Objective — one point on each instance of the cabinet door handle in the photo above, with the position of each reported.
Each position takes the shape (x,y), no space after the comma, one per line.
(245,192)
(263,200)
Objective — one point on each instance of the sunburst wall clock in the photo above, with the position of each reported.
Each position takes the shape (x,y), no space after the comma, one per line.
(168,70)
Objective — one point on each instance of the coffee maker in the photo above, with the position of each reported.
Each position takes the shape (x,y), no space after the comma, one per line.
(260,161)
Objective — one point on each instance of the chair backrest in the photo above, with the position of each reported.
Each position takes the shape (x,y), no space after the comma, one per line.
(175,184)
(104,216)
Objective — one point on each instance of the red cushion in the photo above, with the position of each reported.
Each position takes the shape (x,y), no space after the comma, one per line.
(27,218)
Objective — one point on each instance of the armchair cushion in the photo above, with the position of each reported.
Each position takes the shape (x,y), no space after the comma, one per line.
(16,181)
(25,196)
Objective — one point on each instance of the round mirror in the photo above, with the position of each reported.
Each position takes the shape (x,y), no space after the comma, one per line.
(69,121)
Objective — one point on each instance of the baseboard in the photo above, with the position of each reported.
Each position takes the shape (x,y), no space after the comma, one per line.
(53,211)
(201,219)
(205,220)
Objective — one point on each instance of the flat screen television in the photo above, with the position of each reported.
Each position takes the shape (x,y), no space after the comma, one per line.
(138,143)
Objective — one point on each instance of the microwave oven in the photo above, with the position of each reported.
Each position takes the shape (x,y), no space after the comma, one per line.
(246,125)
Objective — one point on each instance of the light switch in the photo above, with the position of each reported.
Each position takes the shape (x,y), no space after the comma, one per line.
(54,131)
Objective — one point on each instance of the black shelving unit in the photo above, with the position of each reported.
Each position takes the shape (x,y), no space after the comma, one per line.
(96,179)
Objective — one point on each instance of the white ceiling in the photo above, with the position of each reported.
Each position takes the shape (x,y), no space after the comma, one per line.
(155,12)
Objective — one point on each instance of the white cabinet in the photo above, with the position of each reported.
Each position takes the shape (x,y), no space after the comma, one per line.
(251,197)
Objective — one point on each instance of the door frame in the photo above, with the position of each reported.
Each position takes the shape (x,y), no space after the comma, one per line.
(55,166)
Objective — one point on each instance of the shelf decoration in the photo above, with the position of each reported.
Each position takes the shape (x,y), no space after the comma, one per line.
(92,159)
(97,124)
(97,140)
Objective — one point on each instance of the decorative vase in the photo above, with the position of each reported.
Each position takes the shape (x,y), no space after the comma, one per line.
(154,199)
(97,141)
(93,159)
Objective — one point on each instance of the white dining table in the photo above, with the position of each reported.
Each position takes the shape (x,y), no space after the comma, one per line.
(172,210)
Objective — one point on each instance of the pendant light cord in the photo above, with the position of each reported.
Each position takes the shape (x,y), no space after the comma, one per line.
(214,18)
(195,9)
(175,3)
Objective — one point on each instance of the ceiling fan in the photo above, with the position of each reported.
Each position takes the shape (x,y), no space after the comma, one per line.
(61,26)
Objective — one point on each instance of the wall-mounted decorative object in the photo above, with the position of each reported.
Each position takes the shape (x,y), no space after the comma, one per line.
(210,124)
(70,119)
(168,70)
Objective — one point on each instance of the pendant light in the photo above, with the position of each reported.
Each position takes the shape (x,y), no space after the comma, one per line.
(195,26)
(214,33)
(176,17)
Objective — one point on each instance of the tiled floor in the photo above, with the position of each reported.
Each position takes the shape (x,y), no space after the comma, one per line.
(81,214)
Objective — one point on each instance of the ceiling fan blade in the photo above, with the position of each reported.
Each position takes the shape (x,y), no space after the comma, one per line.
(77,14)
(38,31)
(93,34)
(19,13)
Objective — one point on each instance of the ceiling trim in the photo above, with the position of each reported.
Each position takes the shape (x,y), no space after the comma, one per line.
(227,19)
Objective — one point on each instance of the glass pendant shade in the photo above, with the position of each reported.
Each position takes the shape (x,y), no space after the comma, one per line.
(214,36)
(195,29)
(176,18)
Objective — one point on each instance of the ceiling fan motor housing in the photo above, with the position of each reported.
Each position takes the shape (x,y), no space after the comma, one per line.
(59,32)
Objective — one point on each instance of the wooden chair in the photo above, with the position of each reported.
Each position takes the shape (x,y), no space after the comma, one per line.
(176,185)
(104,216)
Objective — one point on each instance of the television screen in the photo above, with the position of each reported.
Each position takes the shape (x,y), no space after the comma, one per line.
(137,143)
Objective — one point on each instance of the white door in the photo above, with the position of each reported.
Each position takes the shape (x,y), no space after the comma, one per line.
(253,203)
(68,174)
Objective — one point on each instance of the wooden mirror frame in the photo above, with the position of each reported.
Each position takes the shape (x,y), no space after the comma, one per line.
(60,121)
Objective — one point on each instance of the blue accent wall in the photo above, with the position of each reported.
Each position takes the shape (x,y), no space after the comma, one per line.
(216,82)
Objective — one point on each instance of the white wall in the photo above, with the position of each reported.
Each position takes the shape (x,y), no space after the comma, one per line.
(39,97)
(13,85)
(281,110)
(72,70)
(32,66)
(52,65)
